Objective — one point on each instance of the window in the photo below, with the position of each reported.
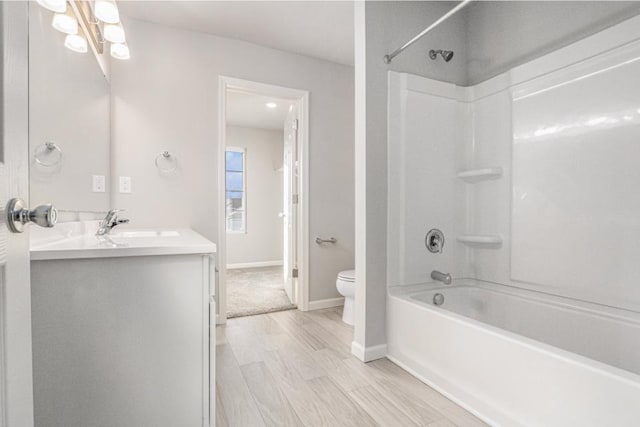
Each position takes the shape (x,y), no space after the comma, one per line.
(235,190)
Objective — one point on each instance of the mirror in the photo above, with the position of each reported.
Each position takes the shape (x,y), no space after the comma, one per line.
(69,116)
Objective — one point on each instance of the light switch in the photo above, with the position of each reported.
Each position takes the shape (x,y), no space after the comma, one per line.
(99,184)
(125,184)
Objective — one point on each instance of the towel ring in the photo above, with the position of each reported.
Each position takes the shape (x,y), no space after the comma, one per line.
(166,162)
(49,148)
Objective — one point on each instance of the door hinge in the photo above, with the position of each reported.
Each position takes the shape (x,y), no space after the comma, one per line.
(294,199)
(294,273)
(295,124)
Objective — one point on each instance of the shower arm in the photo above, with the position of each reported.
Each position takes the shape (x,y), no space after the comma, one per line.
(388,58)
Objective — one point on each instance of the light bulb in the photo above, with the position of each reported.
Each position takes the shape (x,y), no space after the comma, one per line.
(76,43)
(59,6)
(120,51)
(65,23)
(271,105)
(114,33)
(106,11)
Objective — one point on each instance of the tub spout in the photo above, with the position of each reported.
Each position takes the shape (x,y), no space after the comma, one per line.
(441,277)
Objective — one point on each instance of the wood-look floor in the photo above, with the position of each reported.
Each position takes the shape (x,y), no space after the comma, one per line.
(296,369)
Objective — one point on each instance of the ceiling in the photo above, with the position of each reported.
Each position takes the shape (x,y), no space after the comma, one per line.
(250,110)
(320,29)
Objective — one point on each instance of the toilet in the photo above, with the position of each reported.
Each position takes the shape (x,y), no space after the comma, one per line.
(346,285)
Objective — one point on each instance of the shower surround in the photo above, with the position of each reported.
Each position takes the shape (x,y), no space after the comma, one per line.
(532,176)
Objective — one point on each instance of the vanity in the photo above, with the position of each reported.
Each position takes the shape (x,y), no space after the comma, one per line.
(121,327)
(123,323)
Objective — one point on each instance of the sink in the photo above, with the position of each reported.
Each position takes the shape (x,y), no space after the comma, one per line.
(145,233)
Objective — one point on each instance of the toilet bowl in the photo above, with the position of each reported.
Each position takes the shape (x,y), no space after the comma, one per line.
(346,285)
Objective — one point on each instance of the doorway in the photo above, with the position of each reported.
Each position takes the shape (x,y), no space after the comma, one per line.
(262,199)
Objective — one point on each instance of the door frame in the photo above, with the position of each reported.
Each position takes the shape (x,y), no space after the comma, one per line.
(302,97)
(16,349)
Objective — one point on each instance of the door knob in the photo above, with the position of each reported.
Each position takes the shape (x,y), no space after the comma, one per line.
(17,215)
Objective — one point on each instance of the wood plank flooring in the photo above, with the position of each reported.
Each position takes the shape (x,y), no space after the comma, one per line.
(295,369)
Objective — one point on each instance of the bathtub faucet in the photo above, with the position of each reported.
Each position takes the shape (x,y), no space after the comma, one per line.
(441,277)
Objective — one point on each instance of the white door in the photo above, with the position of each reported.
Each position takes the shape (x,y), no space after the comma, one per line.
(16,395)
(290,208)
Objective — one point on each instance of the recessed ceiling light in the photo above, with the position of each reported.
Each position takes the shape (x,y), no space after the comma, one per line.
(271,105)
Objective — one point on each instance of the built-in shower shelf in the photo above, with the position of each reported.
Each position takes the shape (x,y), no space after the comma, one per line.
(489,240)
(477,175)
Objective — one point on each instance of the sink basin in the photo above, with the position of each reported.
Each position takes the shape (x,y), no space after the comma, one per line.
(145,233)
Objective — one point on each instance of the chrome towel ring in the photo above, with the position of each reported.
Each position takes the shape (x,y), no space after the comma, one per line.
(166,162)
(48,155)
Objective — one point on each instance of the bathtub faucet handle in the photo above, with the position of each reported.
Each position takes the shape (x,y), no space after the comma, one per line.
(434,241)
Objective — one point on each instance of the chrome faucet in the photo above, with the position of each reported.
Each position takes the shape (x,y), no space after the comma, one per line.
(441,277)
(110,221)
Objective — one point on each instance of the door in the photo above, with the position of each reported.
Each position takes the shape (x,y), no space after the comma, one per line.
(16,393)
(290,200)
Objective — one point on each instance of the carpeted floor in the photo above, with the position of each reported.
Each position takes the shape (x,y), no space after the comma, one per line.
(255,291)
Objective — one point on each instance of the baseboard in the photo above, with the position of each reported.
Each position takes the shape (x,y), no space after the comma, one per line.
(367,354)
(254,264)
(325,303)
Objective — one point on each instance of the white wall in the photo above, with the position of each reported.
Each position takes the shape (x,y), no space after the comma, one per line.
(69,105)
(428,131)
(166,98)
(262,241)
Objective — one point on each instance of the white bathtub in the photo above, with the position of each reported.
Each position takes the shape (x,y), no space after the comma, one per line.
(515,357)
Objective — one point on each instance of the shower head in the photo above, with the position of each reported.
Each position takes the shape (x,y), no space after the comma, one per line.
(447,55)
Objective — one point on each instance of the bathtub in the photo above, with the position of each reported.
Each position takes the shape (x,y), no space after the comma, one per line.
(516,357)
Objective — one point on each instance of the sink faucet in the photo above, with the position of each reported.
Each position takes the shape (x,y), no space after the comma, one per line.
(441,277)
(110,221)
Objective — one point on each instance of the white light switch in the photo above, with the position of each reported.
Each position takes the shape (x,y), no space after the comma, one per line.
(99,184)
(125,184)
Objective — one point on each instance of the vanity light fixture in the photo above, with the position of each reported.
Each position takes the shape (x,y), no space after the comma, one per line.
(65,22)
(120,51)
(271,105)
(114,33)
(76,43)
(106,11)
(85,21)
(59,6)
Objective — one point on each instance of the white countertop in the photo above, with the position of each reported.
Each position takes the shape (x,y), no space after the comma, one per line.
(122,243)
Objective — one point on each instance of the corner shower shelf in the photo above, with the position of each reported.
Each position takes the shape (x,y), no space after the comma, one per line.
(490,240)
(476,175)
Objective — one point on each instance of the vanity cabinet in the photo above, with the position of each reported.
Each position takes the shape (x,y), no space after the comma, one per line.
(124,340)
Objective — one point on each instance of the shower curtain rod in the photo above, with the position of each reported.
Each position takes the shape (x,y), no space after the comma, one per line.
(388,58)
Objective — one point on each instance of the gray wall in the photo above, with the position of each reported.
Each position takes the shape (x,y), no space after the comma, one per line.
(503,34)
(262,241)
(166,98)
(389,25)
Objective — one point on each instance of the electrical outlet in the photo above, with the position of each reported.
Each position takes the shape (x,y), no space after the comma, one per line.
(125,184)
(99,184)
